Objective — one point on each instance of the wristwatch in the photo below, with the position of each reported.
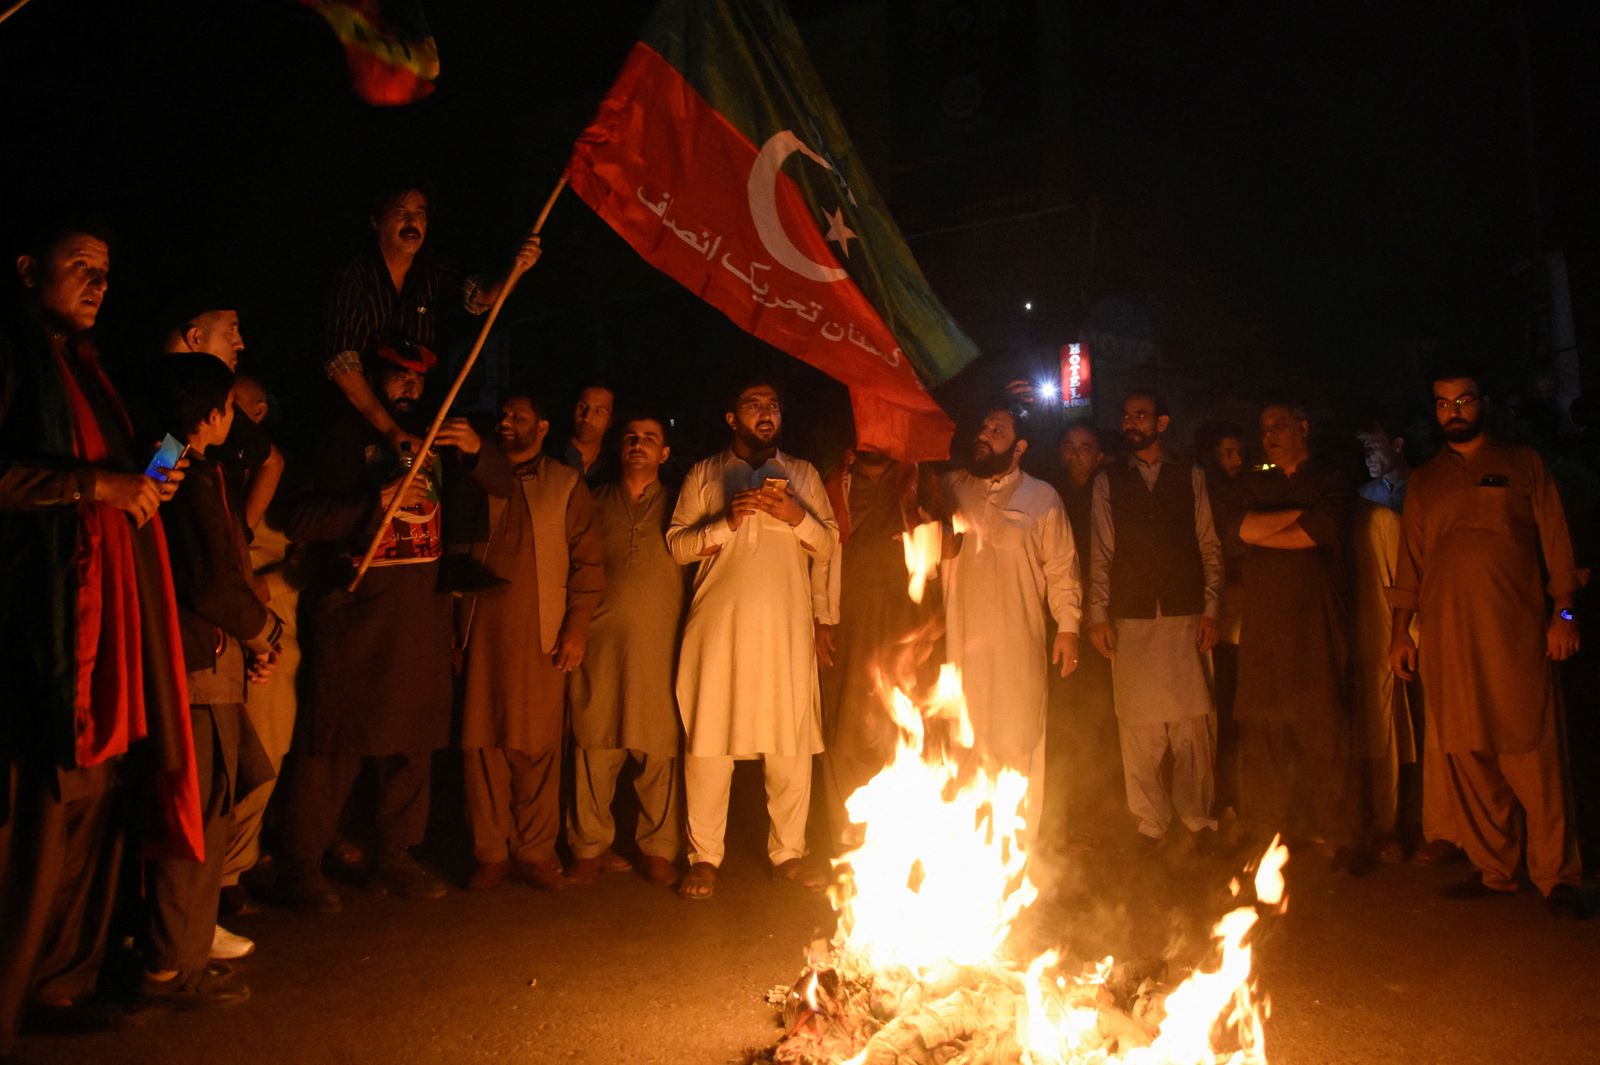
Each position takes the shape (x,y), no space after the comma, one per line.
(1566,614)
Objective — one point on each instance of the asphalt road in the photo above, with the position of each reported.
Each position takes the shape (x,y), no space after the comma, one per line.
(1377,969)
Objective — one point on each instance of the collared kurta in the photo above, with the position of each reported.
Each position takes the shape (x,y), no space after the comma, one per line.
(622,696)
(542,539)
(747,674)
(1159,675)
(1476,530)
(1017,556)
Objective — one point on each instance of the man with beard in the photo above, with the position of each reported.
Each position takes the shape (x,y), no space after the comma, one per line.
(755,519)
(519,645)
(1296,761)
(1014,554)
(397,291)
(378,659)
(585,450)
(622,700)
(1479,519)
(1155,579)
(89,642)
(874,500)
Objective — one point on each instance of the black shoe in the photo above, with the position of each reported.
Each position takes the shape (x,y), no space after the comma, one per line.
(215,985)
(402,876)
(1473,887)
(1567,902)
(1351,861)
(304,889)
(237,901)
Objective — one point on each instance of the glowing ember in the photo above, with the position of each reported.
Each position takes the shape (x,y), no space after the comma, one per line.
(918,969)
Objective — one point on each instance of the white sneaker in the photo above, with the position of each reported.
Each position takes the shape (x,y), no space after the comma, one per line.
(225,946)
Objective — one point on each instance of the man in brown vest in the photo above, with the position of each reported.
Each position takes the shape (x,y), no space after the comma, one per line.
(519,647)
(1155,579)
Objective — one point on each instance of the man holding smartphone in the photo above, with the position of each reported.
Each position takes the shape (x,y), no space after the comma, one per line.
(756,520)
(88,641)
(229,638)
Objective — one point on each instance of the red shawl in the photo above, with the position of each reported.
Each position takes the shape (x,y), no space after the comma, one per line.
(110,711)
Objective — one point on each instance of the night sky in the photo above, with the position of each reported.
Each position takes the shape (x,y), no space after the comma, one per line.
(1270,200)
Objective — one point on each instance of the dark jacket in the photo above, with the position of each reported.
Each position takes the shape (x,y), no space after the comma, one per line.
(43,486)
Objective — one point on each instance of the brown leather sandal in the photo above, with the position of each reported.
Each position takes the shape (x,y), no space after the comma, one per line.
(700,882)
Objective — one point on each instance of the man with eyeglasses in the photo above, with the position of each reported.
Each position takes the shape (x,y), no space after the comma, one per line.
(756,521)
(1296,768)
(1480,518)
(397,292)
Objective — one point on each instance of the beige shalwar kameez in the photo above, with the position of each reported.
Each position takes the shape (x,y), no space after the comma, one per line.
(543,541)
(621,697)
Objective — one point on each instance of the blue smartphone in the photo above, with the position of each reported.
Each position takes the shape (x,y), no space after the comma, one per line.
(166,458)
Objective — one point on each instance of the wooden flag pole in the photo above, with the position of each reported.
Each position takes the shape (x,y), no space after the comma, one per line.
(455,388)
(13,9)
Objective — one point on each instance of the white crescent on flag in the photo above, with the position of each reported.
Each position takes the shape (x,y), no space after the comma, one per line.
(764,207)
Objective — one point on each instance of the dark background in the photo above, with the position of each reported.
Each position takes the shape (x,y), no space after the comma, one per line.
(1281,199)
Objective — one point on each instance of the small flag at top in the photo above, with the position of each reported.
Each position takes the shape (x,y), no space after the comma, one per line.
(388,46)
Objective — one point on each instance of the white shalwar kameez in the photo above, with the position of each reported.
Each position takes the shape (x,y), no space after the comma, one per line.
(1017,555)
(747,671)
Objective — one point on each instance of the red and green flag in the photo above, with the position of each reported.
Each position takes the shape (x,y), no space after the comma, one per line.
(388,46)
(719,157)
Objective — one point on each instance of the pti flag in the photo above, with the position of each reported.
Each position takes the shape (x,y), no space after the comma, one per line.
(388,45)
(719,157)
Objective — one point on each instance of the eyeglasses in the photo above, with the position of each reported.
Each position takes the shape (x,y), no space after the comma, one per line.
(756,406)
(1459,404)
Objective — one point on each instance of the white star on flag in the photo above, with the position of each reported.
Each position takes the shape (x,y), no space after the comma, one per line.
(838,232)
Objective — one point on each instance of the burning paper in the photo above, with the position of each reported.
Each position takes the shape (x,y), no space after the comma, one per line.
(918,970)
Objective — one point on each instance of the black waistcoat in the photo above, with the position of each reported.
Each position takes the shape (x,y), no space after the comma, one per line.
(1157,559)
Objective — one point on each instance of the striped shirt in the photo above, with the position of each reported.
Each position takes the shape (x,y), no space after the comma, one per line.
(366,306)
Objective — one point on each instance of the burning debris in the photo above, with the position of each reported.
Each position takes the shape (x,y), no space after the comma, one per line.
(918,971)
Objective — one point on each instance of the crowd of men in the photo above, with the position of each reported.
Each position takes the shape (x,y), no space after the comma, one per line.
(179,636)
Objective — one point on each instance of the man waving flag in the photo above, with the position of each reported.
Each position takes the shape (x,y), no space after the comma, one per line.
(719,157)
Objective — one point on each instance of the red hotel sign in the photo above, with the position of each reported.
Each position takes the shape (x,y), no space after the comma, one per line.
(1075,389)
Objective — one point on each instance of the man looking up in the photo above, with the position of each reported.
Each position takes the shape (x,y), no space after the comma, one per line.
(520,645)
(585,450)
(755,519)
(1155,579)
(1296,761)
(1481,518)
(398,291)
(1015,557)
(89,644)
(622,701)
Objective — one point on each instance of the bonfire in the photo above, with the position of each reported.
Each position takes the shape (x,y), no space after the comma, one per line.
(920,969)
